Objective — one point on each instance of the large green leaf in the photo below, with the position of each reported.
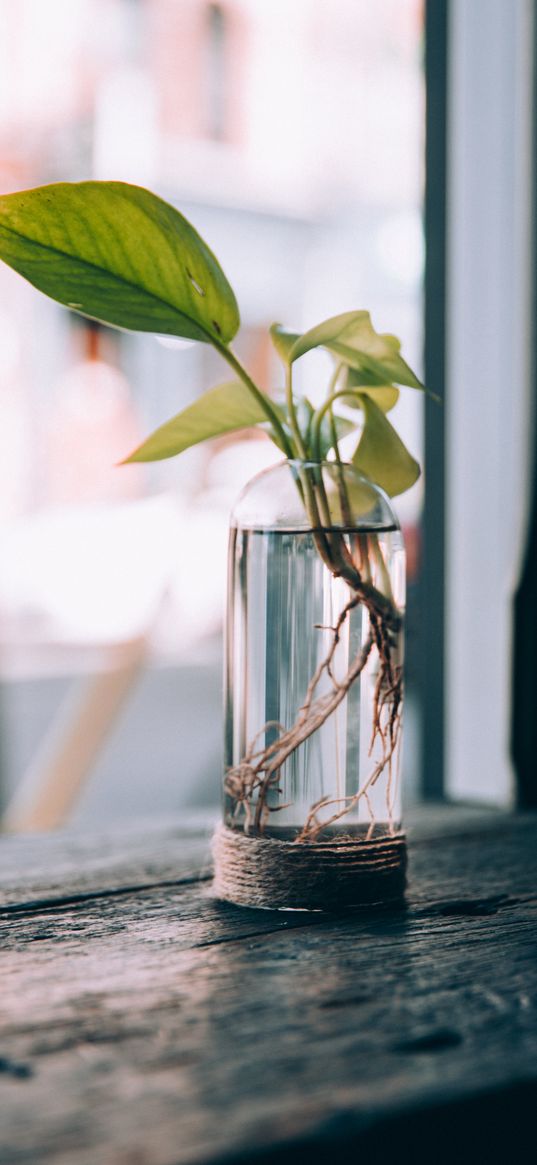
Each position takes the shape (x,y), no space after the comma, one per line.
(118,254)
(221,410)
(352,337)
(381,454)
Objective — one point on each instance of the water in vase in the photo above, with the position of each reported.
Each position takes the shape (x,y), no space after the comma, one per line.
(298,692)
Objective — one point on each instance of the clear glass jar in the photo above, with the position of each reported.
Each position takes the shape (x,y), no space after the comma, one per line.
(314,656)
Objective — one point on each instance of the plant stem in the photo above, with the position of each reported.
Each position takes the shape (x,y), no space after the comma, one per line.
(346,512)
(310,485)
(305,487)
(301,448)
(332,383)
(317,419)
(383,570)
(262,399)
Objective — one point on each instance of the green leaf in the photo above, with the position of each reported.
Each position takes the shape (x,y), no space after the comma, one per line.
(323,334)
(277,439)
(223,409)
(343,428)
(384,395)
(304,415)
(118,254)
(381,454)
(352,337)
(304,412)
(283,341)
(359,494)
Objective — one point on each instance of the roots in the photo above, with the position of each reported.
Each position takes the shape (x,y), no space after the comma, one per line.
(249,783)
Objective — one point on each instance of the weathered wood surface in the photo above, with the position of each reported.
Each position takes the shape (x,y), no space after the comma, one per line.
(144,1023)
(35,870)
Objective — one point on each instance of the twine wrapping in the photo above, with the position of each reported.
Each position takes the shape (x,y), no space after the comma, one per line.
(321,875)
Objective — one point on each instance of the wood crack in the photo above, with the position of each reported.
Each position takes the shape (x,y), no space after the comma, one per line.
(66,901)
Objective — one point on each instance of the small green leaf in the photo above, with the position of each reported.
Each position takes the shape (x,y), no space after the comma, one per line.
(359,497)
(352,337)
(283,341)
(223,409)
(381,454)
(118,254)
(384,395)
(277,439)
(343,428)
(304,412)
(323,334)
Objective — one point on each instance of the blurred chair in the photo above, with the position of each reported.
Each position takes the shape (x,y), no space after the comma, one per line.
(80,591)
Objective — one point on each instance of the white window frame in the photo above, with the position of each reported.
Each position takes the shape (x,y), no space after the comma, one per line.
(488,405)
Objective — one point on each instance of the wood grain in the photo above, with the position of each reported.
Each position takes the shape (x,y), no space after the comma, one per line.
(38,869)
(144,1023)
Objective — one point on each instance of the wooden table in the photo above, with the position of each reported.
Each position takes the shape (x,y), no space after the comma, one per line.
(144,1023)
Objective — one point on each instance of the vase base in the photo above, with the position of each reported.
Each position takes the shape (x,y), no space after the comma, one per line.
(322,875)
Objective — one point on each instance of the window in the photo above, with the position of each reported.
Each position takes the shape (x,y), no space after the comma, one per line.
(487,407)
(292,136)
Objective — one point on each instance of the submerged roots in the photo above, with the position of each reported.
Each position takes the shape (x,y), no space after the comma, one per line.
(250,782)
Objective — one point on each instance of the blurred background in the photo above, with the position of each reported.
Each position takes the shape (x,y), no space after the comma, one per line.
(293,136)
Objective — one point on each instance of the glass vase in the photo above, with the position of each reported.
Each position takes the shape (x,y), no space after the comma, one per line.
(313,692)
